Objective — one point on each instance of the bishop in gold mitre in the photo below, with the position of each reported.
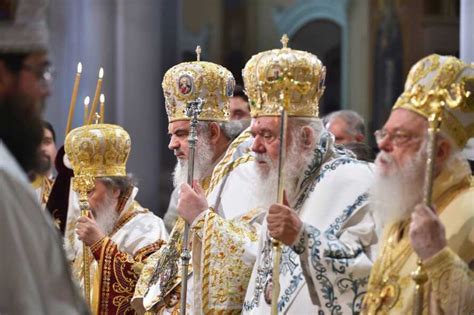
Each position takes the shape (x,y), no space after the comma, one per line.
(120,234)
(441,237)
(324,224)
(212,86)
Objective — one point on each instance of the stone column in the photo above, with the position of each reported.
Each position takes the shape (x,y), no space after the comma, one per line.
(466,31)
(466,51)
(139,100)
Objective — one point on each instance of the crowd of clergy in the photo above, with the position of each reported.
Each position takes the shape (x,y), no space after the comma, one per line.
(274,210)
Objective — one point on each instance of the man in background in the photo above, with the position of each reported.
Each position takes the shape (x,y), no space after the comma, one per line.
(44,179)
(48,150)
(35,275)
(346,126)
(239,105)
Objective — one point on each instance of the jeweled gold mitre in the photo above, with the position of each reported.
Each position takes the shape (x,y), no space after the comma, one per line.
(284,77)
(188,81)
(442,82)
(98,150)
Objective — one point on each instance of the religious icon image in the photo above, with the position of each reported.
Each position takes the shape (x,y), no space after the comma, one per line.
(267,292)
(171,303)
(185,84)
(274,72)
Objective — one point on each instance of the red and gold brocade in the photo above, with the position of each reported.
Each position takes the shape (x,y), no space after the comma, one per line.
(117,276)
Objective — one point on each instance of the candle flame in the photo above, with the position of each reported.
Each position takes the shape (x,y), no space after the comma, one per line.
(101,73)
(79,67)
(102,98)
(87,100)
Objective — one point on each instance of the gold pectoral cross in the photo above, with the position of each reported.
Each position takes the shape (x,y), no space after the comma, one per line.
(384,297)
(390,291)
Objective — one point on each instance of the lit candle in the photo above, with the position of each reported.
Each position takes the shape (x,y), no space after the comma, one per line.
(102,103)
(95,102)
(86,109)
(72,104)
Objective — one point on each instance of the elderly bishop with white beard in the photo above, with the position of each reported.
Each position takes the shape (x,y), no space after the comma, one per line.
(327,233)
(439,236)
(119,234)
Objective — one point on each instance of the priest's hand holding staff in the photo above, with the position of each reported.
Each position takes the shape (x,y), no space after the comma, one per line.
(427,233)
(88,230)
(283,223)
(192,202)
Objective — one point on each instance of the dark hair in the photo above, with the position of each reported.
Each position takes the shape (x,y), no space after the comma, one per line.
(239,92)
(48,126)
(13,61)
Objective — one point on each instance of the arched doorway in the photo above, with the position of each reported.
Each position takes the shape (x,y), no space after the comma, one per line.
(323,38)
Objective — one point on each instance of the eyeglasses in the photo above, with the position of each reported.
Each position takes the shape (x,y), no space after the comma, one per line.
(398,138)
(44,73)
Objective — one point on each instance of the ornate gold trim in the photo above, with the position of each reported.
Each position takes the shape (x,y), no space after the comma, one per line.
(207,254)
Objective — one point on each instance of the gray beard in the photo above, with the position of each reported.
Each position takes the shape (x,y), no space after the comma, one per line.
(203,164)
(393,197)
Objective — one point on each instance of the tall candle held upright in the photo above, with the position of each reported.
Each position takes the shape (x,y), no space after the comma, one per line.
(102,109)
(95,102)
(72,104)
(86,109)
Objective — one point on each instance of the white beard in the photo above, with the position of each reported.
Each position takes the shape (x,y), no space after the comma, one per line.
(203,164)
(393,197)
(266,184)
(106,215)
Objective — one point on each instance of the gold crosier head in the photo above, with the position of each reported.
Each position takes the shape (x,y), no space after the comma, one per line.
(284,77)
(441,88)
(188,81)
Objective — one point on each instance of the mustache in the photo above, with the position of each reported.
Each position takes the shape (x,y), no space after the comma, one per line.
(262,157)
(385,158)
(178,152)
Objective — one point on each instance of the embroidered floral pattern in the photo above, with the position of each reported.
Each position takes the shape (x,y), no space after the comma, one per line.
(337,256)
(224,270)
